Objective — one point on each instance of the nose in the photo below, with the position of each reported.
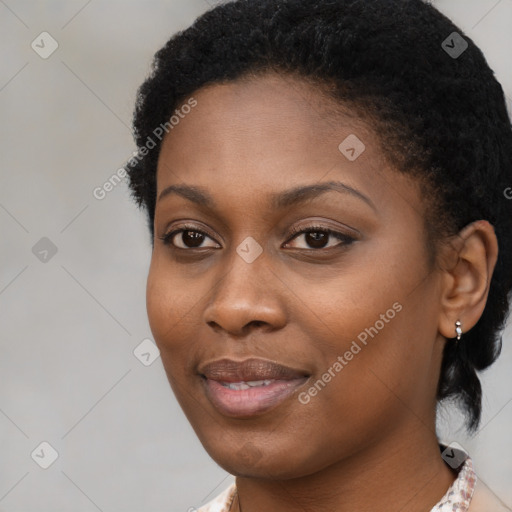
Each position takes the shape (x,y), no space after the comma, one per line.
(246,296)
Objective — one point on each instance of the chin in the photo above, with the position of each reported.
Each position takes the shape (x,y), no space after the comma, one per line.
(251,460)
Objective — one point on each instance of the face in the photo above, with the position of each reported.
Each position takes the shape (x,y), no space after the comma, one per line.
(322,298)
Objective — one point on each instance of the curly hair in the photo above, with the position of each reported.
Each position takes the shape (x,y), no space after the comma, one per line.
(438,116)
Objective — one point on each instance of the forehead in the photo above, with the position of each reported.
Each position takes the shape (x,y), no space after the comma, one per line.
(265,126)
(247,142)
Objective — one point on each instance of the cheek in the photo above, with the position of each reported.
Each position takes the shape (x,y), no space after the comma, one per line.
(160,305)
(167,308)
(355,305)
(173,304)
(168,302)
(382,332)
(384,376)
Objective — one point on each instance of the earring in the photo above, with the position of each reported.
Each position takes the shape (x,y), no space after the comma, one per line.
(458,329)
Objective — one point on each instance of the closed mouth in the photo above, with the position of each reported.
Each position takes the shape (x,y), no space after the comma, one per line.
(251,387)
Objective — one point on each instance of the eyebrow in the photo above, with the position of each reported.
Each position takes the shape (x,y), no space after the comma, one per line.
(279,200)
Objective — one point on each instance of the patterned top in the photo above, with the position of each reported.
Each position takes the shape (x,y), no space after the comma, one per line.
(457,499)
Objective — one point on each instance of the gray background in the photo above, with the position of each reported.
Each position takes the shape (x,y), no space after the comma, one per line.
(69,325)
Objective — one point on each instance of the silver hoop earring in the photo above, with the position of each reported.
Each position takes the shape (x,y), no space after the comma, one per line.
(458,329)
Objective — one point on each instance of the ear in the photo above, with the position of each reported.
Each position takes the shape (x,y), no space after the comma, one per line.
(470,258)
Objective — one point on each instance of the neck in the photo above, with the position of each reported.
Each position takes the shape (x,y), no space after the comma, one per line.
(389,477)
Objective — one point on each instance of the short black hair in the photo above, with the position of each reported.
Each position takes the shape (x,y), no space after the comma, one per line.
(439,116)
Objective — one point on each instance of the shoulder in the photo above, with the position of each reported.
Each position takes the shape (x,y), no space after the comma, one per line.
(222,502)
(484,500)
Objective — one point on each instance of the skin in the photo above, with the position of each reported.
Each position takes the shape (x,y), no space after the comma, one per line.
(367,440)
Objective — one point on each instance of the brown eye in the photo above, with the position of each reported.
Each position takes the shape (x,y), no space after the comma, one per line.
(319,238)
(187,238)
(192,238)
(316,239)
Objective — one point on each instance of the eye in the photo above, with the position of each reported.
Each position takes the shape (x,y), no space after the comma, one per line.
(315,237)
(187,237)
(318,237)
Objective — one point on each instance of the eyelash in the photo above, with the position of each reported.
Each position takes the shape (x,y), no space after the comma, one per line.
(343,237)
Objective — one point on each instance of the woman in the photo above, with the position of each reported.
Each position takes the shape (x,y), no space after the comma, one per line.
(324,183)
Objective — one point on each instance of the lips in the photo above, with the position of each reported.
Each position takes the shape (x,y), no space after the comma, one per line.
(227,370)
(250,387)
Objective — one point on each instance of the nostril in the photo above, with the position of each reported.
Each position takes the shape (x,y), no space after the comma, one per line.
(213,325)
